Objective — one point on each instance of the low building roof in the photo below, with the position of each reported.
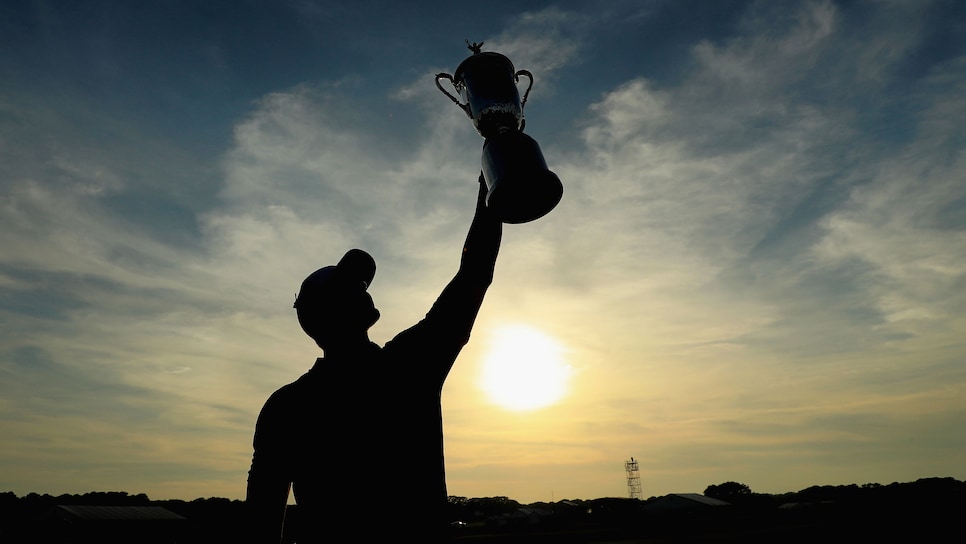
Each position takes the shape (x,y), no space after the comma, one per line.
(106,513)
(680,501)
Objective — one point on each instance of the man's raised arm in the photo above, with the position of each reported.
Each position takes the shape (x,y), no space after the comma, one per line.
(456,308)
(482,242)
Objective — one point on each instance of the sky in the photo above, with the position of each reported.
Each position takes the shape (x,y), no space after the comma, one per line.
(757,271)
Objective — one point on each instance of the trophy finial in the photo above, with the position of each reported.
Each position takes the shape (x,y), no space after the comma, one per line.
(474,47)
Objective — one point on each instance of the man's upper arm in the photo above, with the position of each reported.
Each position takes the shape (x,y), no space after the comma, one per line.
(269,480)
(270,472)
(434,343)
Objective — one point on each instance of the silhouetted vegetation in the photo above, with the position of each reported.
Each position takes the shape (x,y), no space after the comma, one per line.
(727,490)
(916,511)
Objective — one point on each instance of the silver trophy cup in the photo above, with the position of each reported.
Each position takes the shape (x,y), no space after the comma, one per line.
(520,187)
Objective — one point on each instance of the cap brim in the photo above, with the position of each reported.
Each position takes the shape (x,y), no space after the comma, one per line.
(357,264)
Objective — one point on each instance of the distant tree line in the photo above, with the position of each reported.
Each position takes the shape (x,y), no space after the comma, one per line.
(928,502)
(930,490)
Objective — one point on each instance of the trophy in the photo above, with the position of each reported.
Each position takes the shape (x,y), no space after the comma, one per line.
(520,187)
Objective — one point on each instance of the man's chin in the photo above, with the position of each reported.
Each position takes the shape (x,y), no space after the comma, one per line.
(374,317)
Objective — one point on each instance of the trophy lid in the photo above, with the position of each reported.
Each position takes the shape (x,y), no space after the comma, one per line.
(487,60)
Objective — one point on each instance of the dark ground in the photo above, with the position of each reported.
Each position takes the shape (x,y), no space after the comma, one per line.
(928,510)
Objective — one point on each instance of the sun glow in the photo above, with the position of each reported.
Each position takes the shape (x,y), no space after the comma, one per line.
(524,369)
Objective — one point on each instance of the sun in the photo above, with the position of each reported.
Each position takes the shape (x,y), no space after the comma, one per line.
(524,369)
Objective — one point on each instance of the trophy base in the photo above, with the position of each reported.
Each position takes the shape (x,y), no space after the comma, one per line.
(520,187)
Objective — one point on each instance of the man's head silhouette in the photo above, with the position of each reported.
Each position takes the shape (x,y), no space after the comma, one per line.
(333,303)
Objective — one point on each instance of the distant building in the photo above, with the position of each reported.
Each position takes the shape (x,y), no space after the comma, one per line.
(522,517)
(111,524)
(683,502)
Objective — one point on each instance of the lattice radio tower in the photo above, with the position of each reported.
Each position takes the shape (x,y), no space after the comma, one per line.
(634,489)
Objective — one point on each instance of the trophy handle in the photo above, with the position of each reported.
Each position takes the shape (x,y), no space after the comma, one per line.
(523,101)
(464,107)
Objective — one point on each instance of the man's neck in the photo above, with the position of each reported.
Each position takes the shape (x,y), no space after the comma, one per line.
(347,347)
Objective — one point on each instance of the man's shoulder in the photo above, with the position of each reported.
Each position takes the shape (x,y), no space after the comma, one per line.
(295,388)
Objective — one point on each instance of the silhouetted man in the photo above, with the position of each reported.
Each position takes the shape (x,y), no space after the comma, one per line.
(359,437)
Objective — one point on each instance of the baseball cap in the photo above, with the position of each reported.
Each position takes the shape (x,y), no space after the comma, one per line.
(355,270)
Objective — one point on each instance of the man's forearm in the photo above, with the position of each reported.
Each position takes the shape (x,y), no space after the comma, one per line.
(482,243)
